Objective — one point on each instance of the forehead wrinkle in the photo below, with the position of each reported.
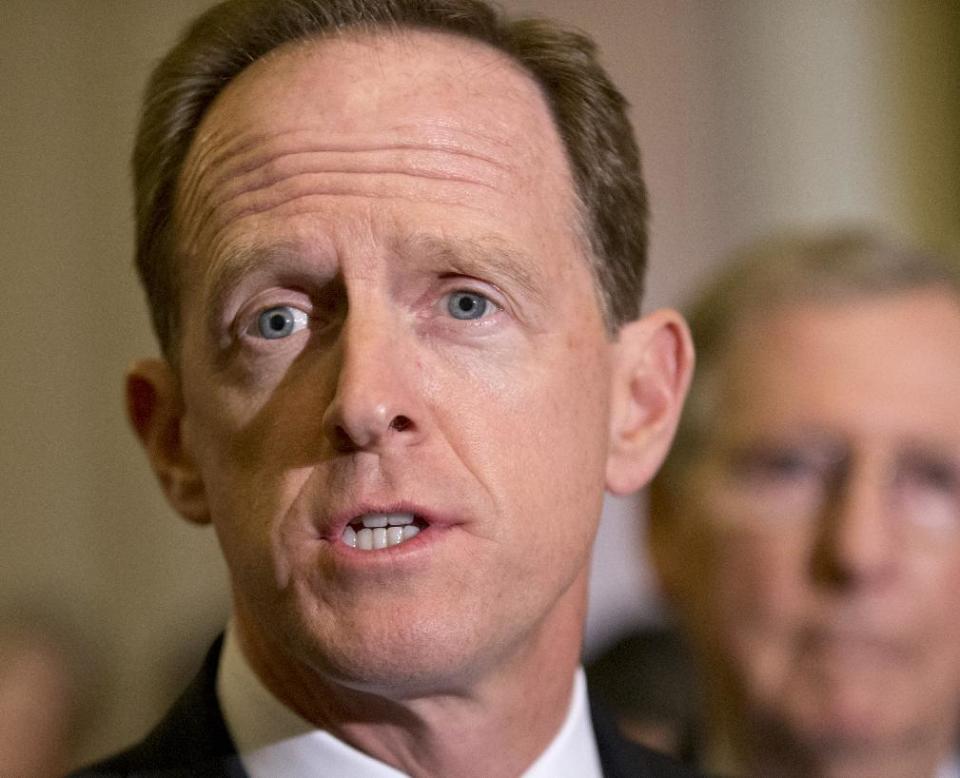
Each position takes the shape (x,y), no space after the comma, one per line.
(217,228)
(271,171)
(262,165)
(244,168)
(294,140)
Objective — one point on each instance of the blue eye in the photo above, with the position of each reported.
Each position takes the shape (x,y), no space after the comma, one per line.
(467,306)
(281,321)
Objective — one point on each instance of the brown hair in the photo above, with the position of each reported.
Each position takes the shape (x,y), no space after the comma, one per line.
(589,112)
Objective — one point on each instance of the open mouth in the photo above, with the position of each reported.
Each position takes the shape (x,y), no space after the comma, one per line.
(374,531)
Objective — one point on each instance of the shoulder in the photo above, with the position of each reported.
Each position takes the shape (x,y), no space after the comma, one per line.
(621,758)
(192,739)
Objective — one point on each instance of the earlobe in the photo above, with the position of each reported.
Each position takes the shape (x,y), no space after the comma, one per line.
(156,413)
(654,364)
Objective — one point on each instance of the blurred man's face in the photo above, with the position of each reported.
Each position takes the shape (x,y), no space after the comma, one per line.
(388,319)
(818,540)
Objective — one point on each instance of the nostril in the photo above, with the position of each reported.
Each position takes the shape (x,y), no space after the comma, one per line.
(400,423)
(341,439)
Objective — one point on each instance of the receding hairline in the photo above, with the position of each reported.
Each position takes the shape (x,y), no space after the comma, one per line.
(587,110)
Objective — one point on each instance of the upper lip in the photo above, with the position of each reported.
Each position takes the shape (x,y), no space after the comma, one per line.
(863,638)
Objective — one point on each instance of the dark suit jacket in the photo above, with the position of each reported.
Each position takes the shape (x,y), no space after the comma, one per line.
(193,741)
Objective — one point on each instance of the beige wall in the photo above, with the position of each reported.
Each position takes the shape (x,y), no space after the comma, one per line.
(751,113)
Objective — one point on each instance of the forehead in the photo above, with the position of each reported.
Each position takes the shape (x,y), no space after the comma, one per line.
(424,127)
(882,367)
(480,114)
(346,80)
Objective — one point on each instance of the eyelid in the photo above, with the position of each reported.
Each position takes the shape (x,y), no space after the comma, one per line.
(460,284)
(301,321)
(248,315)
(765,458)
(943,473)
(491,314)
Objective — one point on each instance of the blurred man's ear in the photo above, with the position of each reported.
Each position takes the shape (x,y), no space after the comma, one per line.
(156,412)
(652,371)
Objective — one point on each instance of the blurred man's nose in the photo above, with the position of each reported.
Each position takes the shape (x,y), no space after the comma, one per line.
(376,402)
(858,537)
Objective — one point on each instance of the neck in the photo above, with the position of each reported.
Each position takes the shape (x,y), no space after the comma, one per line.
(735,747)
(495,724)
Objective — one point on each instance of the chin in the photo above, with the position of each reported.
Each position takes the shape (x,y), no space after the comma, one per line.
(846,726)
(404,657)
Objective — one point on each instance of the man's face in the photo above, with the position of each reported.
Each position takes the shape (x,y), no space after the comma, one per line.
(818,540)
(387,311)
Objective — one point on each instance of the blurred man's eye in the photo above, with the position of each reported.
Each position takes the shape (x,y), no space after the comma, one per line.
(776,483)
(928,492)
(934,475)
(777,464)
(280,321)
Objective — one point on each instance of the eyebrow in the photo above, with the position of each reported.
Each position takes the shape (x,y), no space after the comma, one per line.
(486,258)
(914,452)
(224,275)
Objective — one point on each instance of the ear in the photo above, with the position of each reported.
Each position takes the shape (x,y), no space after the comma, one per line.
(156,412)
(652,370)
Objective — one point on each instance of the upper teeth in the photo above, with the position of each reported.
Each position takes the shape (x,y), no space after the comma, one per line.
(380,530)
(375,520)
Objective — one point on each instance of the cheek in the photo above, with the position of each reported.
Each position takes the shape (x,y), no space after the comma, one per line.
(762,572)
(748,587)
(254,462)
(536,439)
(934,604)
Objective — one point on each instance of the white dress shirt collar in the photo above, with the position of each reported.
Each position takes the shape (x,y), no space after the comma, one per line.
(950,768)
(273,740)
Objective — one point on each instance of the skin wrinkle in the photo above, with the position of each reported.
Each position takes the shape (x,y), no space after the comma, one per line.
(247,143)
(204,203)
(211,151)
(268,169)
(443,140)
(483,258)
(231,216)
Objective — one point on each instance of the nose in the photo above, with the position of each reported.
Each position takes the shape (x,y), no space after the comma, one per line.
(858,543)
(376,403)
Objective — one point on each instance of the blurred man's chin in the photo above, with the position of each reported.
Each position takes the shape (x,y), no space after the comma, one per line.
(845,727)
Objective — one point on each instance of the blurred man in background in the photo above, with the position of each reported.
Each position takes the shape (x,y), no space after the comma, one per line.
(807,523)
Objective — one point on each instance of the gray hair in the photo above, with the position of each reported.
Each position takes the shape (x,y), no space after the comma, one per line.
(785,270)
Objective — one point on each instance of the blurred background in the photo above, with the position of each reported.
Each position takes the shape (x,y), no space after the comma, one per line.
(751,114)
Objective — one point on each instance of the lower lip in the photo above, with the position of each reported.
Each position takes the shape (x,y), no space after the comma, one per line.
(855,649)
